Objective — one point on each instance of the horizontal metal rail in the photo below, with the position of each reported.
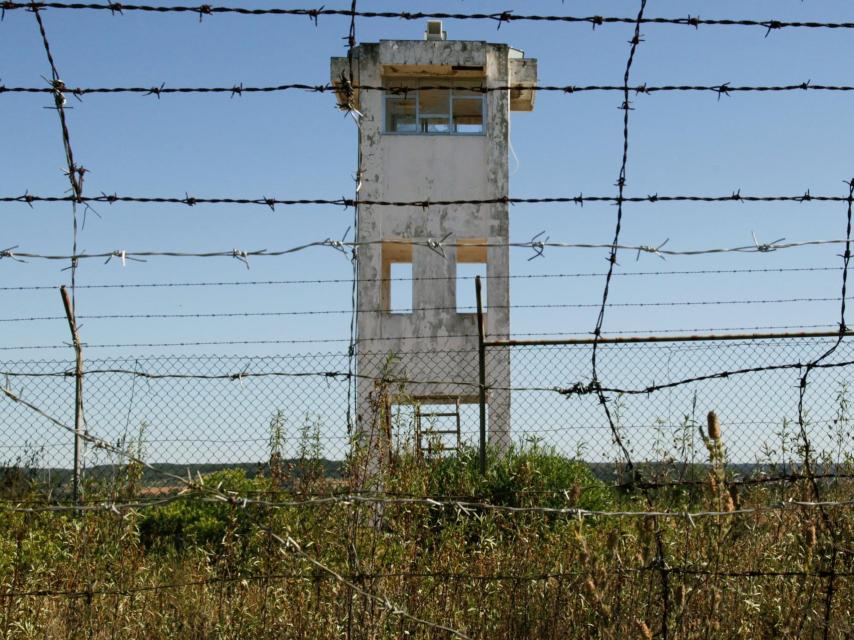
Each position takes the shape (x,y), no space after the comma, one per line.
(677,338)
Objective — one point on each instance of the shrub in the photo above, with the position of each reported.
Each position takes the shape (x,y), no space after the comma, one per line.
(194,522)
(532,474)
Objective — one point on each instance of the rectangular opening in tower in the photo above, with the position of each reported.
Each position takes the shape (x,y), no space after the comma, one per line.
(396,291)
(401,287)
(466,299)
(471,262)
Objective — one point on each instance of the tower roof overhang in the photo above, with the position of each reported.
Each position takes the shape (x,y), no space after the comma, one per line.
(425,59)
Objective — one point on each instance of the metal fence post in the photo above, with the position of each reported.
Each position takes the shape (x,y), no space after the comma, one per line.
(481,366)
(78,396)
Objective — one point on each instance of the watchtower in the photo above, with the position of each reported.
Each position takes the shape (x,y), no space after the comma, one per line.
(434,120)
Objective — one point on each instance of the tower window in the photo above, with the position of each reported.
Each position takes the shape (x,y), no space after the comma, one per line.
(471,262)
(458,109)
(401,114)
(396,280)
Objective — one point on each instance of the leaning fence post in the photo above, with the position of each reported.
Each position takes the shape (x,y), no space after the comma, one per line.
(481,365)
(78,395)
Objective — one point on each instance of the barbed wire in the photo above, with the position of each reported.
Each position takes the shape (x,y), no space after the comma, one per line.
(615,244)
(238,89)
(802,419)
(407,311)
(499,17)
(74,172)
(248,375)
(574,390)
(584,389)
(348,281)
(272,202)
(437,246)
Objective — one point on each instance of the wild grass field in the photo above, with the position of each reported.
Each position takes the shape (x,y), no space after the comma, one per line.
(538,548)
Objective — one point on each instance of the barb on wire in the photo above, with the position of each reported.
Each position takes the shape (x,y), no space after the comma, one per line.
(539,246)
(656,251)
(436,246)
(9,252)
(766,247)
(242,256)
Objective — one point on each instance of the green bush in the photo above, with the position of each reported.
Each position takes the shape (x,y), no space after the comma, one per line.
(195,522)
(528,475)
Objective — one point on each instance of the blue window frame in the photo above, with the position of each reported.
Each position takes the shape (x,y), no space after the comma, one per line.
(422,108)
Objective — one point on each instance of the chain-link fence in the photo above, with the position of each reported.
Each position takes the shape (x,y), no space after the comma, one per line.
(211,411)
(758,409)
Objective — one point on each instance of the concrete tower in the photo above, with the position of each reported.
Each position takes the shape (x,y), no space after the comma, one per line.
(431,145)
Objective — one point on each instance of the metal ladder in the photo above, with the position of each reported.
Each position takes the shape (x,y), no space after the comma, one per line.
(436,436)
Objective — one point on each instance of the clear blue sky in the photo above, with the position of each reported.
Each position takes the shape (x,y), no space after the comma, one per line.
(295,144)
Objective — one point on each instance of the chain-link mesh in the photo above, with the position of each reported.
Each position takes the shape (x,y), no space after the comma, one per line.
(183,421)
(239,420)
(759,411)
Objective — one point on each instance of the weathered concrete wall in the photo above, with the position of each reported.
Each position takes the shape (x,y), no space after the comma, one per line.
(433,167)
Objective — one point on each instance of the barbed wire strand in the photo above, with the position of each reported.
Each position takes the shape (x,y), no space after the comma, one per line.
(807,448)
(612,258)
(272,202)
(579,388)
(499,17)
(584,389)
(353,560)
(461,309)
(348,281)
(238,89)
(75,173)
(564,334)
(432,244)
